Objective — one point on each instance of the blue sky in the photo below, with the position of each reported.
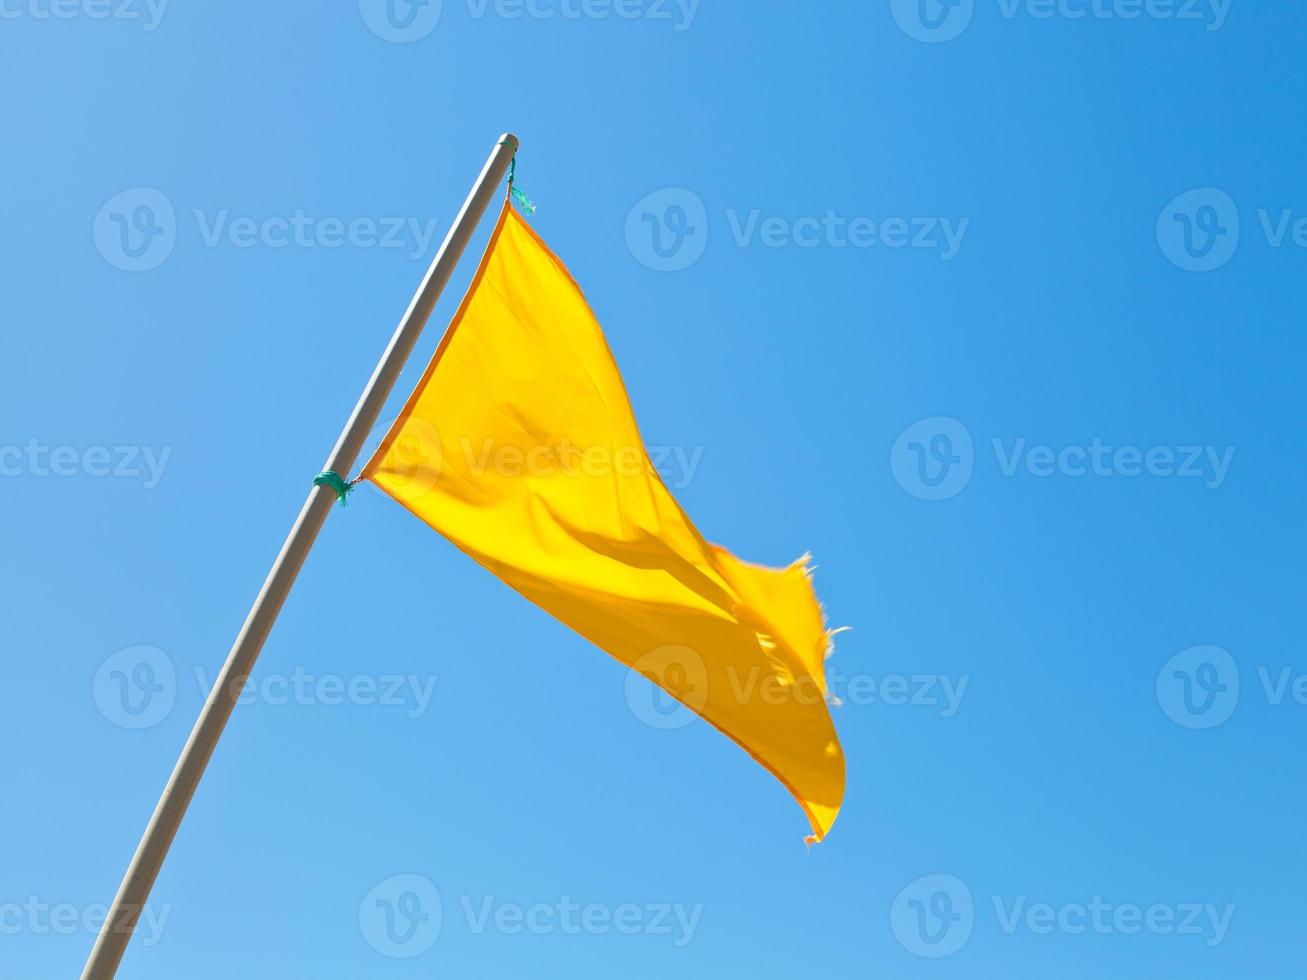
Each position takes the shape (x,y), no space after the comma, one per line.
(992,306)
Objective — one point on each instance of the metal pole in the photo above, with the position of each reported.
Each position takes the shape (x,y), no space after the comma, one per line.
(135,889)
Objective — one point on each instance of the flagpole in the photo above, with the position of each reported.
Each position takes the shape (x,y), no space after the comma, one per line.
(153,848)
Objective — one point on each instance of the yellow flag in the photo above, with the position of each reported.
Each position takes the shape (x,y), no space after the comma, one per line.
(520,446)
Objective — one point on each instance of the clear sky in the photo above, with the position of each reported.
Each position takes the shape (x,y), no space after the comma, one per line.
(994,307)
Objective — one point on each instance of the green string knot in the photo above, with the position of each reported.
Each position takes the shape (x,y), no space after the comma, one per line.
(522,201)
(519,198)
(330,478)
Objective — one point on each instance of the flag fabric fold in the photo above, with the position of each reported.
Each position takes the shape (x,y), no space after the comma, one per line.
(519,445)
